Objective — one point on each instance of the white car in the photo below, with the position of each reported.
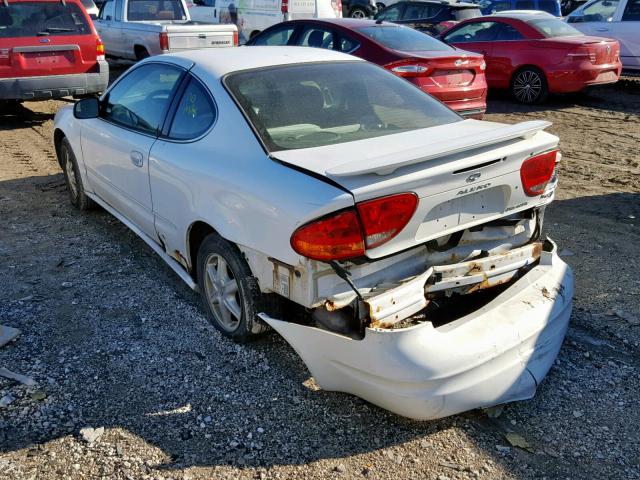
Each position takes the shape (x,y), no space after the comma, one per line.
(405,239)
(617,19)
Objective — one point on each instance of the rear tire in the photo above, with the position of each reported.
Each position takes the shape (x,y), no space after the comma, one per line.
(73,178)
(230,294)
(529,86)
(358,12)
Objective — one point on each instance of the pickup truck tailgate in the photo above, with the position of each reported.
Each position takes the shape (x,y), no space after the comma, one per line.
(212,36)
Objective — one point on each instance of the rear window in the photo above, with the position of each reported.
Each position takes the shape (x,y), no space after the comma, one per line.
(403,39)
(30,19)
(466,13)
(313,105)
(143,10)
(552,27)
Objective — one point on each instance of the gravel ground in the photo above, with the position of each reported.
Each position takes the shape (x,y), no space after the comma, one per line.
(118,344)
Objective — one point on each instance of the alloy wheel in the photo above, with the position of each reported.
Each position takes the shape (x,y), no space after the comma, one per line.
(358,13)
(527,86)
(222,292)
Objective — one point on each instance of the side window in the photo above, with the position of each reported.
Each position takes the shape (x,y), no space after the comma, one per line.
(195,114)
(347,44)
(415,11)
(107,12)
(280,36)
(525,5)
(600,11)
(316,37)
(391,14)
(140,100)
(474,32)
(632,11)
(507,32)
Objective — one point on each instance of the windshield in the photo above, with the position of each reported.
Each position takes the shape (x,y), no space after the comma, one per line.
(159,10)
(552,27)
(403,38)
(312,105)
(30,19)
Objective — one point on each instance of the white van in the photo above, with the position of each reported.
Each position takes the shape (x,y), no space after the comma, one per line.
(253,16)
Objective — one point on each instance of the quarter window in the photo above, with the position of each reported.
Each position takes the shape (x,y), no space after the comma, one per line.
(316,37)
(474,32)
(508,33)
(140,100)
(195,114)
(631,11)
(280,36)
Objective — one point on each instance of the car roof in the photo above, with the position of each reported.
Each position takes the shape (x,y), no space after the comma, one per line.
(218,62)
(441,2)
(523,14)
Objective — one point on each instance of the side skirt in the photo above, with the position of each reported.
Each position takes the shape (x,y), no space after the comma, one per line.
(175,266)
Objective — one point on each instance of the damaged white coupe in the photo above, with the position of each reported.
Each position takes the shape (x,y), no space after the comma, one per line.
(396,246)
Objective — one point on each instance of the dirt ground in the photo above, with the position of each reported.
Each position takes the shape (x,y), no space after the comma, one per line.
(115,340)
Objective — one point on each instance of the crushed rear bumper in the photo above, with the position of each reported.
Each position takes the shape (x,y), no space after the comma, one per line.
(55,86)
(497,354)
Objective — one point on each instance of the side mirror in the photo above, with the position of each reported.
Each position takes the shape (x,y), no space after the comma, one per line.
(86,108)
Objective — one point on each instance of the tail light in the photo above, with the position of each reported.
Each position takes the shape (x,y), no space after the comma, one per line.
(582,53)
(164,41)
(284,8)
(536,172)
(235,38)
(409,68)
(99,50)
(348,233)
(337,7)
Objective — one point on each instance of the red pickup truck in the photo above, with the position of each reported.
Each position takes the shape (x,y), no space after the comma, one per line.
(49,49)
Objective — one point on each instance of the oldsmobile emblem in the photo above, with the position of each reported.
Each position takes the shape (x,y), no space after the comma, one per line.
(473,177)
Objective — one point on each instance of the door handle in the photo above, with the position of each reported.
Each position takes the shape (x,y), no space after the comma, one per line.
(137,159)
(602,29)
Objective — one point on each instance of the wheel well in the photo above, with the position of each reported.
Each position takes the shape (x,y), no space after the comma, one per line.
(253,34)
(197,233)
(523,67)
(138,50)
(58,135)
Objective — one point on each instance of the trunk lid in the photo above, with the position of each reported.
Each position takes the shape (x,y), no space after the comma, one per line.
(461,179)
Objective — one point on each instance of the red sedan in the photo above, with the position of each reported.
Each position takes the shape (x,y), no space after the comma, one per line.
(533,55)
(453,76)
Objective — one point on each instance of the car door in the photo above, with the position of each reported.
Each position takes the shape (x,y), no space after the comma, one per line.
(509,44)
(595,18)
(116,145)
(626,30)
(477,37)
(108,28)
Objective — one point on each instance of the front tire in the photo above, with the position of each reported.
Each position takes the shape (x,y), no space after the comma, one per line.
(529,86)
(72,176)
(358,12)
(230,294)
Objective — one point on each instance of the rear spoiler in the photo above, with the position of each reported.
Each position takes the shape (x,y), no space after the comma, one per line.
(387,164)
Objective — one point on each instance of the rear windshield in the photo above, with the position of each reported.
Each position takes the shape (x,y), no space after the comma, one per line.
(312,105)
(158,10)
(552,27)
(466,13)
(403,38)
(30,19)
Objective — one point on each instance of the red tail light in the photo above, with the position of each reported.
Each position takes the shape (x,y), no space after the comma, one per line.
(536,172)
(582,53)
(235,38)
(409,68)
(348,233)
(164,41)
(284,8)
(99,50)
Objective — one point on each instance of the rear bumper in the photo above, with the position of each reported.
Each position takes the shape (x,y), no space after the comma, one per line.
(579,78)
(472,98)
(55,86)
(497,354)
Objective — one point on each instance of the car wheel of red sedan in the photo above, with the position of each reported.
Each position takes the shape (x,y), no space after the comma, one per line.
(529,85)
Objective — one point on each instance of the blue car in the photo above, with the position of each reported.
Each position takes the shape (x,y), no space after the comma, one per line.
(492,6)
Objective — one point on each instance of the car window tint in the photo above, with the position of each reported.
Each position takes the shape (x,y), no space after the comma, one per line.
(141,10)
(106,13)
(195,113)
(403,39)
(525,5)
(548,6)
(347,44)
(474,32)
(508,33)
(415,11)
(312,105)
(553,27)
(280,36)
(391,14)
(139,101)
(30,19)
(317,38)
(631,11)
(600,11)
